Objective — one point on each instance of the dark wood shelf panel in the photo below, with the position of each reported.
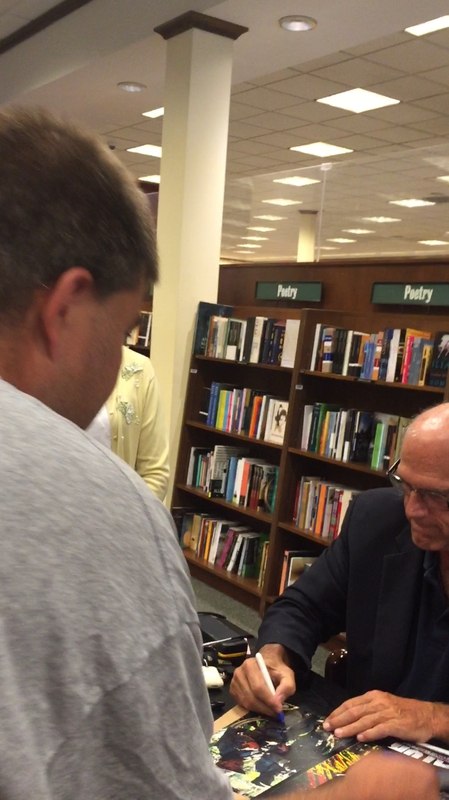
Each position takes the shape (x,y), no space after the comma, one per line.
(286,526)
(361,381)
(245,364)
(145,351)
(249,585)
(235,436)
(380,473)
(242,511)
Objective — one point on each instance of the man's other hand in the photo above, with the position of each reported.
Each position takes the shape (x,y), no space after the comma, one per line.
(376,714)
(249,688)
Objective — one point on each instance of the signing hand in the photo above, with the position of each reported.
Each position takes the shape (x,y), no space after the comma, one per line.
(249,688)
(376,714)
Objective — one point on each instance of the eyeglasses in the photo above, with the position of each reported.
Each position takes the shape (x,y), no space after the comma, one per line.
(435,501)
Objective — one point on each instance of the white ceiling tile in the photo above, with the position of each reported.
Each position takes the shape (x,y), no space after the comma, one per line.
(315,112)
(359,142)
(359,72)
(241,111)
(439,103)
(440,38)
(432,141)
(319,132)
(10,23)
(413,56)
(398,135)
(292,157)
(319,63)
(274,121)
(281,140)
(7,5)
(265,80)
(267,99)
(241,87)
(440,75)
(408,88)
(242,130)
(30,9)
(252,148)
(438,126)
(360,123)
(258,161)
(386,150)
(309,87)
(150,125)
(136,135)
(378,44)
(400,114)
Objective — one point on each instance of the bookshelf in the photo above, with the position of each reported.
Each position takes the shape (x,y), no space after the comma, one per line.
(302,386)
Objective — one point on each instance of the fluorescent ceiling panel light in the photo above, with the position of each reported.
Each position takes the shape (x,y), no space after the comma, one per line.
(356,230)
(256,238)
(262,230)
(252,246)
(342,241)
(147,150)
(412,203)
(328,247)
(443,178)
(321,149)
(131,86)
(429,27)
(296,180)
(281,201)
(156,112)
(270,217)
(381,219)
(358,100)
(297,23)
(432,242)
(151,178)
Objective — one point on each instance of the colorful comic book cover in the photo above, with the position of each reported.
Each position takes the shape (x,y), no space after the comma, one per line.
(259,753)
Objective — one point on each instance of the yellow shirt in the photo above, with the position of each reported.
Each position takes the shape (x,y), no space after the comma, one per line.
(138,430)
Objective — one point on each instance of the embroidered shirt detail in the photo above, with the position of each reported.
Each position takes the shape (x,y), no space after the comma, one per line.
(129,370)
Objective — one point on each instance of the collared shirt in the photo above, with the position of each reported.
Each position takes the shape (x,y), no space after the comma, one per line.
(428,677)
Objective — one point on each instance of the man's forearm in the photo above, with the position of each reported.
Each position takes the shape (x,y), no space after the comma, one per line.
(440,721)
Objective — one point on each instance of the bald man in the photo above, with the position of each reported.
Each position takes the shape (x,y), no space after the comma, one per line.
(385,581)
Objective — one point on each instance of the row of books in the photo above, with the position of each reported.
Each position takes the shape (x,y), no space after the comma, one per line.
(366,437)
(294,564)
(402,355)
(248,412)
(320,506)
(228,473)
(223,543)
(141,334)
(256,340)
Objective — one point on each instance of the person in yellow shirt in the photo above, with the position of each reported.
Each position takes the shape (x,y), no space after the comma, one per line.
(132,423)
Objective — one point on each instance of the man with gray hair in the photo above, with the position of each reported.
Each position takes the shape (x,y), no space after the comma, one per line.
(385,581)
(102,695)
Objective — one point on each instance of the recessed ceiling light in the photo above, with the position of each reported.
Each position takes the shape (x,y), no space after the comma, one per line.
(280,201)
(131,86)
(443,178)
(256,238)
(261,229)
(156,112)
(356,230)
(412,203)
(295,180)
(341,241)
(429,27)
(381,219)
(251,246)
(297,22)
(358,100)
(321,149)
(147,150)
(432,242)
(328,247)
(151,178)
(270,217)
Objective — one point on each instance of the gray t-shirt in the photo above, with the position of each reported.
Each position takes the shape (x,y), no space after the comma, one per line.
(101,690)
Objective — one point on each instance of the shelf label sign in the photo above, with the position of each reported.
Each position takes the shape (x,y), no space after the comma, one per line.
(306,291)
(416,294)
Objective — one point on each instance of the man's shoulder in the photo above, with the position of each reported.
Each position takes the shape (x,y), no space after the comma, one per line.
(377,515)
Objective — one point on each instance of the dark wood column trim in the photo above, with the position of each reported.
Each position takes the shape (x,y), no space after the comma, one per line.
(193,19)
(41,22)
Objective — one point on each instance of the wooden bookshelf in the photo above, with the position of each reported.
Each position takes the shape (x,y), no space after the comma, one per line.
(301,386)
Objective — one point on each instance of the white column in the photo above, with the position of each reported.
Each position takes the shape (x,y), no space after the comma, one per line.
(194,144)
(307,235)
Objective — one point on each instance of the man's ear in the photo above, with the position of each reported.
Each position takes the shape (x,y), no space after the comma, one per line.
(63,304)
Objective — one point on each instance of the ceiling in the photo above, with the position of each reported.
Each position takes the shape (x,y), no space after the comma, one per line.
(73,67)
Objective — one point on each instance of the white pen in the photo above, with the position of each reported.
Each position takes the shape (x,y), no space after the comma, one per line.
(268,681)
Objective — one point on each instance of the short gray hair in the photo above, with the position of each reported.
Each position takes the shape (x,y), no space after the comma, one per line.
(66,201)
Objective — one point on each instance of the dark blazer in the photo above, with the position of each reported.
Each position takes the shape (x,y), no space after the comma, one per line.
(367,583)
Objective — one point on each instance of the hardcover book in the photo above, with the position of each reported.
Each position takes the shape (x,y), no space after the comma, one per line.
(437,373)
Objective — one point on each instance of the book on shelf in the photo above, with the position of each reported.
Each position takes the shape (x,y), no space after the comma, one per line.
(288,350)
(203,317)
(439,362)
(320,506)
(350,435)
(392,355)
(276,420)
(294,563)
